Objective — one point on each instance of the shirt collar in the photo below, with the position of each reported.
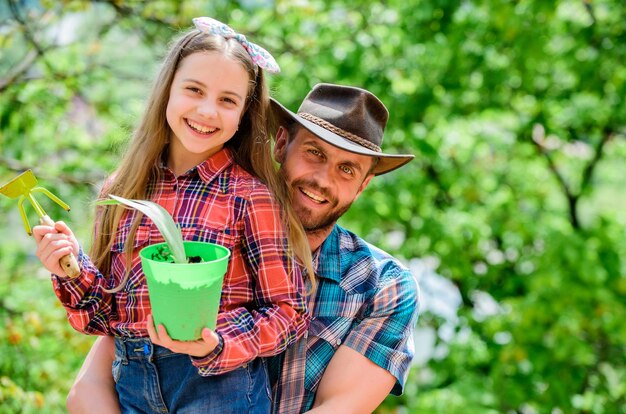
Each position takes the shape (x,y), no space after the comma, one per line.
(215,164)
(209,168)
(329,267)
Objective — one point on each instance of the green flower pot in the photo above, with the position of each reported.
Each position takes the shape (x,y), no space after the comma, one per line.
(185,297)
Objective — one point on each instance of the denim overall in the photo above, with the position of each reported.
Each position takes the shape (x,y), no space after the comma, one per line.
(153,379)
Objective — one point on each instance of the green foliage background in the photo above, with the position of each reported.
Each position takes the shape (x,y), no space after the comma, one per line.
(515,112)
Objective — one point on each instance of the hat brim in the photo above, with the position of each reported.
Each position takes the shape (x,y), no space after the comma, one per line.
(386,162)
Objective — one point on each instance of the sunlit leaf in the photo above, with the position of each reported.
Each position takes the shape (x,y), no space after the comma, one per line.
(161,218)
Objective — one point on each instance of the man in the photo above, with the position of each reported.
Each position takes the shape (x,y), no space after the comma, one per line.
(364,306)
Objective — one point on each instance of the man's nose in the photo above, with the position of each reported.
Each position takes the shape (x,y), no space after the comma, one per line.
(323,176)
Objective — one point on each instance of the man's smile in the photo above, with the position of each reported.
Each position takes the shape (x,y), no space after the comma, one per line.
(312,196)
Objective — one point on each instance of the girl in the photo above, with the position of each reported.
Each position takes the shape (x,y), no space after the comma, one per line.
(202,152)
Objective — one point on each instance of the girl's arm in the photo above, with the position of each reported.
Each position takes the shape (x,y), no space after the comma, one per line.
(280,290)
(84,298)
(271,279)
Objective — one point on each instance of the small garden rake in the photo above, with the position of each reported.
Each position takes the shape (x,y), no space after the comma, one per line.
(22,187)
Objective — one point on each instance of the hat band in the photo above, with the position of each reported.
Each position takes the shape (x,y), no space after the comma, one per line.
(345,134)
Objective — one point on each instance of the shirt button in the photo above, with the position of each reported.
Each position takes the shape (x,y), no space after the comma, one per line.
(338,342)
(306,334)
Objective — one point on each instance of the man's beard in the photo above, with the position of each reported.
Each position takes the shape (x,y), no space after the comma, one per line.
(307,216)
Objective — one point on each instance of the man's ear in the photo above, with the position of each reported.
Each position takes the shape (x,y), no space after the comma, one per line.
(280,146)
(364,184)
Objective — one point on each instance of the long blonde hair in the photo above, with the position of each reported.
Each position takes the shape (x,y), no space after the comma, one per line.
(251,147)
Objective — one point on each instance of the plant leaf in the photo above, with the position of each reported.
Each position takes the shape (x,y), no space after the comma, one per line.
(161,218)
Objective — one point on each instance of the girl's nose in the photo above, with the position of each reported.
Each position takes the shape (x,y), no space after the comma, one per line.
(207,109)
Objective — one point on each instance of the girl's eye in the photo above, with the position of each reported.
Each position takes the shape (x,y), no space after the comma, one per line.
(230,102)
(193,89)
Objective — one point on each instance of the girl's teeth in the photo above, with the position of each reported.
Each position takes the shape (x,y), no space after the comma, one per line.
(200,128)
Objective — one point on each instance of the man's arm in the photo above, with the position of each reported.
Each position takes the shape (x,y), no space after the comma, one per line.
(94,389)
(351,384)
(376,355)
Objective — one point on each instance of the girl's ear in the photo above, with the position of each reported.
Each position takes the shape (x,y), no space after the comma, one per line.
(280,147)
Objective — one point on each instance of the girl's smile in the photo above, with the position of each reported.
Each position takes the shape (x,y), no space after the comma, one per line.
(199,128)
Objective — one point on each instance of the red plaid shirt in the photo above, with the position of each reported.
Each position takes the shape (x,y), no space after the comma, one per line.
(263,307)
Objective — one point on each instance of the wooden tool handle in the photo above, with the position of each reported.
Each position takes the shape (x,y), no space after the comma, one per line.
(67,262)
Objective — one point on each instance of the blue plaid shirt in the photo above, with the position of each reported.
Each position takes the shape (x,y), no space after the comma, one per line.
(366,300)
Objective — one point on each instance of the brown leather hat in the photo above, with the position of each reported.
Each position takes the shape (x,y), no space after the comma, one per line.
(349,118)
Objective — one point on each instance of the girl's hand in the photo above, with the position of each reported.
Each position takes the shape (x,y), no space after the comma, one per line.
(200,348)
(53,243)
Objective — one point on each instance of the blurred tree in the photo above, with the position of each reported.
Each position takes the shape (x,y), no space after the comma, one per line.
(514,109)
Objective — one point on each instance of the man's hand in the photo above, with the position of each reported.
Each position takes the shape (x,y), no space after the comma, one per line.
(351,384)
(200,348)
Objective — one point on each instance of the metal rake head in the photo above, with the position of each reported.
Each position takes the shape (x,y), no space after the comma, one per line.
(22,187)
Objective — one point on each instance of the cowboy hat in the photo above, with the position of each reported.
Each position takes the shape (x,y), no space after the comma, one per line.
(349,118)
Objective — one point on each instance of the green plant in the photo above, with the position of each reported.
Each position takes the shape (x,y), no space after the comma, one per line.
(163,220)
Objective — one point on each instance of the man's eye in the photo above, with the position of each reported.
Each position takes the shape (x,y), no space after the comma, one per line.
(346,170)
